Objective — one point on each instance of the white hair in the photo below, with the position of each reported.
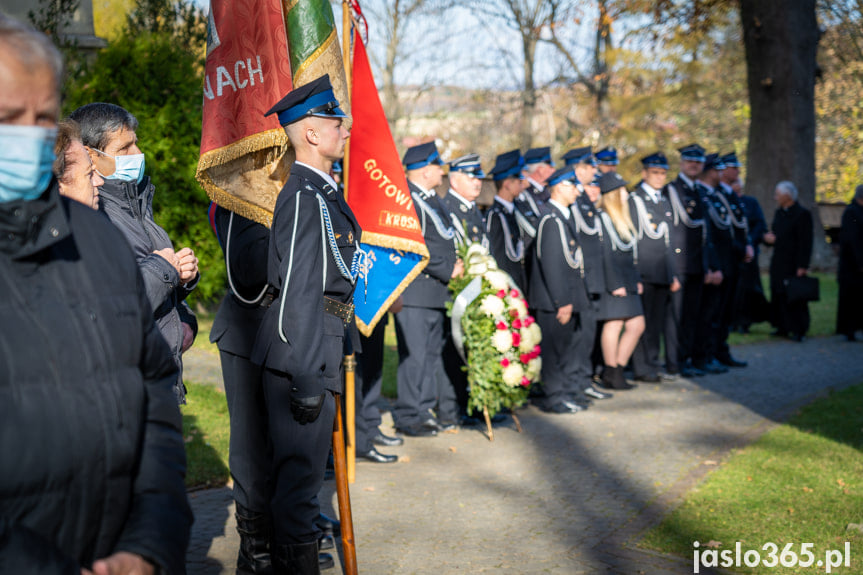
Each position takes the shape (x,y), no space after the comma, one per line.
(30,46)
(787,188)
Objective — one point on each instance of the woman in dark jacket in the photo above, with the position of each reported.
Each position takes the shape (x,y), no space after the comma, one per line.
(126,197)
(620,307)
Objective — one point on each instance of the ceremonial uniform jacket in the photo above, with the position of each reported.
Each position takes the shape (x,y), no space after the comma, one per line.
(506,242)
(594,244)
(793,247)
(717,217)
(756,220)
(620,265)
(694,238)
(467,220)
(739,223)
(246,247)
(297,337)
(557,270)
(654,222)
(429,289)
(537,192)
(528,212)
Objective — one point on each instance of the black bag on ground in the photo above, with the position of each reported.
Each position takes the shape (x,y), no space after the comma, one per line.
(803,288)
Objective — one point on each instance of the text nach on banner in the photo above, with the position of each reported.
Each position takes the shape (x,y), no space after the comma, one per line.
(245,72)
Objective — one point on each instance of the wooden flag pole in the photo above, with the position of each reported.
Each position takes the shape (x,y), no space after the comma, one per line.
(350,361)
(343,493)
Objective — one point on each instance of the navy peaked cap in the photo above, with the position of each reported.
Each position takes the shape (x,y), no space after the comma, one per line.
(730,160)
(564,174)
(607,156)
(579,156)
(538,156)
(468,164)
(655,160)
(507,165)
(313,99)
(713,162)
(692,152)
(420,156)
(610,182)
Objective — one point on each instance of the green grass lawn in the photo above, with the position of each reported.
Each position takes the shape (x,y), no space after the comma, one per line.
(206,430)
(801,482)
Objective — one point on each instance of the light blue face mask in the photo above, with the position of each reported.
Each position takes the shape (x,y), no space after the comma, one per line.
(26,157)
(126,167)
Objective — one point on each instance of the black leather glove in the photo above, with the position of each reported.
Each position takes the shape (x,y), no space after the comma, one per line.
(306,408)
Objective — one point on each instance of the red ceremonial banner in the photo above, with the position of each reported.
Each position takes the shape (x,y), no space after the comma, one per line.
(247,71)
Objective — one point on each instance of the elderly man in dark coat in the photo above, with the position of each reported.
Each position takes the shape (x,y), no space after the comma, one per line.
(849,316)
(791,236)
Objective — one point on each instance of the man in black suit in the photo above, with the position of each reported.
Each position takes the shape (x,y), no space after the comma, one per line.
(791,236)
(558,294)
(506,226)
(849,312)
(313,264)
(420,325)
(693,250)
(652,215)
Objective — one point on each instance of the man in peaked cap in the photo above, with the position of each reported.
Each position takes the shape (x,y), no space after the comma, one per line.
(313,268)
(654,223)
(420,325)
(538,166)
(692,247)
(507,227)
(607,160)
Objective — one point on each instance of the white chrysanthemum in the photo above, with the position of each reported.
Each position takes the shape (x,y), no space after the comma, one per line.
(527,339)
(518,305)
(477,249)
(502,340)
(534,367)
(498,280)
(491,306)
(535,333)
(512,374)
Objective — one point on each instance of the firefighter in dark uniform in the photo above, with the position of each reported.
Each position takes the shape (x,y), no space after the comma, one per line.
(420,325)
(507,227)
(538,166)
(595,250)
(651,213)
(717,220)
(558,294)
(696,258)
(607,160)
(314,263)
(465,184)
(742,253)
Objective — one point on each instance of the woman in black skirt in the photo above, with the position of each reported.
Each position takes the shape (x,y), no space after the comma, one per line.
(620,307)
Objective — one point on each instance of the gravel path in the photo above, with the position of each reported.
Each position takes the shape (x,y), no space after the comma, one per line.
(572,493)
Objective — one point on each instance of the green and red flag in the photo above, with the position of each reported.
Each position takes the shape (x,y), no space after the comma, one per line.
(380,199)
(258,51)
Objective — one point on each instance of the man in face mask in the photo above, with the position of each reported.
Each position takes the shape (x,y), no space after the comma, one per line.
(90,434)
(108,133)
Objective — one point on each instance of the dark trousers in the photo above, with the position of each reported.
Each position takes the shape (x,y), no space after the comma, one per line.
(559,364)
(849,313)
(656,301)
(367,387)
(693,287)
(420,334)
(672,331)
(730,290)
(788,317)
(452,389)
(250,450)
(299,462)
(583,342)
(706,333)
(749,293)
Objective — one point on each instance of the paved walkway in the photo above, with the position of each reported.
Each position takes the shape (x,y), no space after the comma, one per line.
(572,493)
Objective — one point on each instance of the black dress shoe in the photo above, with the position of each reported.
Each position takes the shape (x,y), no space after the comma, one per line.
(387,440)
(328,525)
(594,393)
(731,362)
(431,423)
(712,367)
(416,430)
(690,370)
(797,337)
(325,561)
(651,378)
(564,406)
(326,542)
(376,456)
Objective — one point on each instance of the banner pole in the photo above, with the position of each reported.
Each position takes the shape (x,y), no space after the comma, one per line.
(343,493)
(350,361)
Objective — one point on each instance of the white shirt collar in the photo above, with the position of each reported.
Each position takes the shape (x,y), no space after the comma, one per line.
(324,175)
(508,206)
(426,193)
(651,191)
(457,196)
(534,183)
(560,207)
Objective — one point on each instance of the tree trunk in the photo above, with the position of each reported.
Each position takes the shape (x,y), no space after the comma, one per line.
(528,95)
(781,40)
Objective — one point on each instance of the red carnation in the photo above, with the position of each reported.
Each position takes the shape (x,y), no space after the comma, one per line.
(514,293)
(537,350)
(525,357)
(504,362)
(516,323)
(501,294)
(501,325)
(516,339)
(513,312)
(525,382)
